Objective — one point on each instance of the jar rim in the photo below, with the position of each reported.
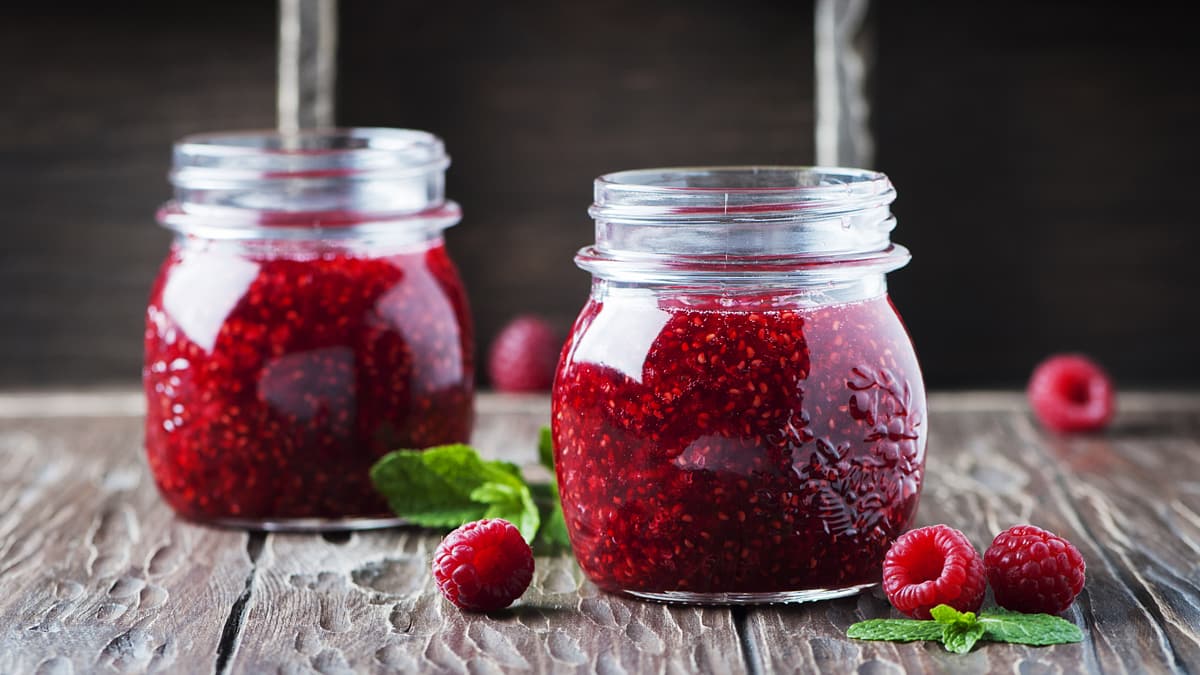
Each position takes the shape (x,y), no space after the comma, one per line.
(253,183)
(215,159)
(743,224)
(737,193)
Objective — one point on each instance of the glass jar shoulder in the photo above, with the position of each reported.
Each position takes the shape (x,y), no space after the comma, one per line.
(636,332)
(301,294)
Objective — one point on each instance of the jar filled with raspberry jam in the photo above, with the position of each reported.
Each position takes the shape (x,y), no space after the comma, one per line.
(738,414)
(306,321)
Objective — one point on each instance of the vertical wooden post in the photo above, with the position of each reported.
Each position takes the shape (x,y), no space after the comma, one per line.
(307,64)
(844,61)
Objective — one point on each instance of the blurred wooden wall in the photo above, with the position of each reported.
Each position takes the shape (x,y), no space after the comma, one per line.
(1044,157)
(94,95)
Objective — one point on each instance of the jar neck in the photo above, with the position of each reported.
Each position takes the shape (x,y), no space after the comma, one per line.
(317,184)
(743,225)
(312,248)
(769,293)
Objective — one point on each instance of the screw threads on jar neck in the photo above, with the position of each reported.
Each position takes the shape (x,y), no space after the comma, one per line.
(742,223)
(259,184)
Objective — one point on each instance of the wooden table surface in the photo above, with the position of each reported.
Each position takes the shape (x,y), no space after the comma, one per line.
(97,575)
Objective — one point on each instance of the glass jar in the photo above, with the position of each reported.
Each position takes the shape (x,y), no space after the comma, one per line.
(738,415)
(306,321)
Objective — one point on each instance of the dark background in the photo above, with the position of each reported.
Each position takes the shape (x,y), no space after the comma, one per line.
(1045,157)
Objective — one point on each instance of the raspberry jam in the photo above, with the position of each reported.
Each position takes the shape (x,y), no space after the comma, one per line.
(285,351)
(741,430)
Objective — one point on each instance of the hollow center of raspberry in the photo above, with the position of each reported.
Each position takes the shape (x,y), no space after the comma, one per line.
(927,567)
(1074,390)
(492,564)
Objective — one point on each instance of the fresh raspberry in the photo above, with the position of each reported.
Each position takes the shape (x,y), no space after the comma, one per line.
(931,566)
(1069,392)
(523,355)
(1032,570)
(483,566)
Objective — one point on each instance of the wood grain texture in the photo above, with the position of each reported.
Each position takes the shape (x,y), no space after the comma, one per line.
(368,604)
(97,574)
(1134,495)
(1126,499)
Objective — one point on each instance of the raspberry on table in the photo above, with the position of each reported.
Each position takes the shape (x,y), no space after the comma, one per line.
(1070,392)
(930,566)
(1032,570)
(483,566)
(523,355)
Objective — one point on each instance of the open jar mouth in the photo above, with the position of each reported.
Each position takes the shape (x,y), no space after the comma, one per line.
(742,223)
(234,184)
(735,192)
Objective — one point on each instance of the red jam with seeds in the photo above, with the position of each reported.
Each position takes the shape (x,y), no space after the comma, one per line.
(282,358)
(735,434)
(756,450)
(318,367)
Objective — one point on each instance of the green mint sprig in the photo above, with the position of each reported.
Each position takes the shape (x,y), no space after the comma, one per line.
(448,485)
(554,526)
(959,631)
(1002,625)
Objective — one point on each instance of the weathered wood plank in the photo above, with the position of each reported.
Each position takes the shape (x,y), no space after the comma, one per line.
(369,604)
(1132,517)
(97,574)
(1134,494)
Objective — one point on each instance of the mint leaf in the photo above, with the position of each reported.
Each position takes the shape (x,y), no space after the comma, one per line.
(959,631)
(495,493)
(554,528)
(546,448)
(897,630)
(512,503)
(947,614)
(553,535)
(448,485)
(433,487)
(500,471)
(960,636)
(543,493)
(1002,625)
